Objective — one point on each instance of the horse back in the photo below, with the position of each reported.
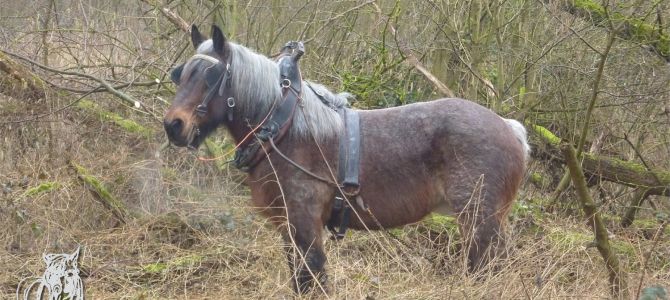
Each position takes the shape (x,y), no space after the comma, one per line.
(434,155)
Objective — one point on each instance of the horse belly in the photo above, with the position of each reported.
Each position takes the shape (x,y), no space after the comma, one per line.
(401,170)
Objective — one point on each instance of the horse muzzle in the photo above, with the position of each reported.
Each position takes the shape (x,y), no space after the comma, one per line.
(178,133)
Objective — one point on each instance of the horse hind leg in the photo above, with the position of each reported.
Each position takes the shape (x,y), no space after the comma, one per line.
(484,242)
(480,221)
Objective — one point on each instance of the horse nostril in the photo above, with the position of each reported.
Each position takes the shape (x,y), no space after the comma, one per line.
(173,127)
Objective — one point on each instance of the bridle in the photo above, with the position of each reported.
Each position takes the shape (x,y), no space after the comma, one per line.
(217,78)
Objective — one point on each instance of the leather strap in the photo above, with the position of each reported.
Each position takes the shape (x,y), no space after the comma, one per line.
(281,116)
(349,177)
(348,173)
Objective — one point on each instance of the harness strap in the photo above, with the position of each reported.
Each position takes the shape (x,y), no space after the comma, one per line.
(281,116)
(222,81)
(348,173)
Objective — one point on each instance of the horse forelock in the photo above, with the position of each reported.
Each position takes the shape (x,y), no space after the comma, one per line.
(255,83)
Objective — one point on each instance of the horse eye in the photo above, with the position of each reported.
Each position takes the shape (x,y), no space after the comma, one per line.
(70,274)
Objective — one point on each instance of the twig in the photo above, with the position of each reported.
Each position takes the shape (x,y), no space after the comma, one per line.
(101,88)
(49,113)
(340,15)
(171,16)
(103,83)
(411,59)
(657,238)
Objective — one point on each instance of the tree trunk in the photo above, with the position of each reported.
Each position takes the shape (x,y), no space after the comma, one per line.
(616,276)
(631,28)
(19,82)
(611,169)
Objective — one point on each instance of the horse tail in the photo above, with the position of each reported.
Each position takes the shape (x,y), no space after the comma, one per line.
(520,133)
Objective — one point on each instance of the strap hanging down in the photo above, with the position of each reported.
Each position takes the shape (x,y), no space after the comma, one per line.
(348,173)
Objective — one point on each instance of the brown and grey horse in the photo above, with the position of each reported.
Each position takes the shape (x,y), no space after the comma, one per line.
(447,155)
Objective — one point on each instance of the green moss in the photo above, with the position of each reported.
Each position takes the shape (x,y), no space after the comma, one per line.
(154,268)
(126,124)
(100,190)
(590,6)
(566,240)
(547,135)
(188,261)
(440,223)
(539,180)
(42,188)
(663,176)
(634,28)
(650,224)
(218,151)
(397,232)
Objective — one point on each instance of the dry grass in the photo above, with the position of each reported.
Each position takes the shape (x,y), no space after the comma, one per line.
(194,237)
(191,234)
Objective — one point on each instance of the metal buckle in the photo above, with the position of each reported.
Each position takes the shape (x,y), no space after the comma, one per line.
(231,102)
(201,110)
(286,83)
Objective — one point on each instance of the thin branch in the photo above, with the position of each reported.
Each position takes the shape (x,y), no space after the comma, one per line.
(170,15)
(130,100)
(411,59)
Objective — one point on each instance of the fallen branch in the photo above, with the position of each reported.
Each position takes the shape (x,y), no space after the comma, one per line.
(630,28)
(19,82)
(101,194)
(103,83)
(628,173)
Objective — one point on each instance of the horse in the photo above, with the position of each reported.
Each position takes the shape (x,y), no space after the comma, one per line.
(61,279)
(446,156)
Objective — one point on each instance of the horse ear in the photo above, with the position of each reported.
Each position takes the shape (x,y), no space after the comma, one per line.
(219,40)
(75,255)
(196,37)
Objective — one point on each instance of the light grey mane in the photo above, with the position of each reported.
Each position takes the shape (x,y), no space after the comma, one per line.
(255,81)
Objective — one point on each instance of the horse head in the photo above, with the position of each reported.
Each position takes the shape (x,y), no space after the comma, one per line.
(61,277)
(202,82)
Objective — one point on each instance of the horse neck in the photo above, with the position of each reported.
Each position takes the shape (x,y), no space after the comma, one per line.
(247,119)
(238,129)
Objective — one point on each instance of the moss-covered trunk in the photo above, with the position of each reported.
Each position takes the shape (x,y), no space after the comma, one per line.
(17,81)
(616,276)
(633,29)
(628,173)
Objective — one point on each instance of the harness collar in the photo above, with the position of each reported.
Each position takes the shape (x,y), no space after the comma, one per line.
(281,115)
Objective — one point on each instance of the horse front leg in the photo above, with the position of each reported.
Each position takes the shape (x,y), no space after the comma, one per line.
(306,257)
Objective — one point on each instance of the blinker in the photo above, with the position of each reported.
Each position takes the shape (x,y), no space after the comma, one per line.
(213,75)
(217,78)
(175,75)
